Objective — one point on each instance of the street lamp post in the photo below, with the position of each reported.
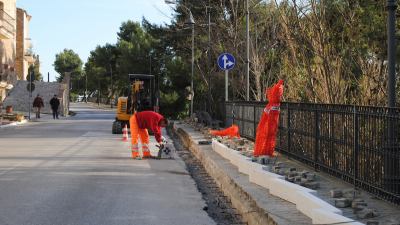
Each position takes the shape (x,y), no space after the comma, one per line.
(86,88)
(391,30)
(247,52)
(98,93)
(111,92)
(391,166)
(209,58)
(192,23)
(191,80)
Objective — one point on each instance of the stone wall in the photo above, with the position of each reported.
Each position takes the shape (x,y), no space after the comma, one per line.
(18,97)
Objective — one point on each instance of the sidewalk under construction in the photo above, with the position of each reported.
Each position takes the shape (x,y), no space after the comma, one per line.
(259,205)
(253,203)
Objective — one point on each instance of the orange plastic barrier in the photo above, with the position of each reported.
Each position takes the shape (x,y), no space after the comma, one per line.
(232,131)
(268,125)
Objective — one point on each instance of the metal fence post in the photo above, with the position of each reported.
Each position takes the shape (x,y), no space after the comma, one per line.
(225,112)
(254,122)
(233,113)
(242,127)
(288,129)
(356,134)
(317,137)
(391,155)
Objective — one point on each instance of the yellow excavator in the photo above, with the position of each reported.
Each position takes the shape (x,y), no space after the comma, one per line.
(141,96)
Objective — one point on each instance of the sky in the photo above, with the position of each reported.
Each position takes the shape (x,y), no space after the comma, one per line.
(81,25)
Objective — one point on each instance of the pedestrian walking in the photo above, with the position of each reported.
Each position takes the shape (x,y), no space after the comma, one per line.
(55,103)
(38,104)
(139,123)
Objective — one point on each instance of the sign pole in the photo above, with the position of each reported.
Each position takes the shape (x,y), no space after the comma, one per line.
(30,95)
(226,62)
(226,85)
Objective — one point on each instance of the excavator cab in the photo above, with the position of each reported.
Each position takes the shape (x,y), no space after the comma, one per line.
(141,97)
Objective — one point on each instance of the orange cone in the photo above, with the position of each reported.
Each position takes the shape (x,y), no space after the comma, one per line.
(125,133)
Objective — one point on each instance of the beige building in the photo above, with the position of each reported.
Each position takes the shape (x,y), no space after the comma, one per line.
(24,55)
(7,46)
(15,46)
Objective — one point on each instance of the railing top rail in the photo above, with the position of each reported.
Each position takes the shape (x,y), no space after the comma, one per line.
(315,105)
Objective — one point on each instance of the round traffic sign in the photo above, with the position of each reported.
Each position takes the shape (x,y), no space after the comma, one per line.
(226,61)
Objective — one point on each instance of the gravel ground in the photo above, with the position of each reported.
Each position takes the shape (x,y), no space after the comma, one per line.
(219,207)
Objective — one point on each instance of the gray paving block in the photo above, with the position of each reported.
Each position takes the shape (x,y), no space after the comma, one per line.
(336,193)
(342,202)
(367,213)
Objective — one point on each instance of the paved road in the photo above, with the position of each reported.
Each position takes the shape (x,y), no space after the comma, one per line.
(74,171)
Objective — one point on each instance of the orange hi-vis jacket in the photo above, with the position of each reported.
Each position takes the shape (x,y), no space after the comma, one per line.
(150,120)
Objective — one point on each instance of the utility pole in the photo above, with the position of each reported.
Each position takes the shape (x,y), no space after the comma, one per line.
(111,94)
(391,166)
(191,82)
(391,31)
(98,93)
(247,52)
(30,95)
(86,87)
(192,23)
(208,9)
(69,90)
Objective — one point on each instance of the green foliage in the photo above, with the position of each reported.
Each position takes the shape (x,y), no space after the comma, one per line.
(68,61)
(36,70)
(326,51)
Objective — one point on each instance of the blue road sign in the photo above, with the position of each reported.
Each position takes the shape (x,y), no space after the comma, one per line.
(226,61)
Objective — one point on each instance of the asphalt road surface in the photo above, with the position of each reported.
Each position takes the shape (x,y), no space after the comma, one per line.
(74,171)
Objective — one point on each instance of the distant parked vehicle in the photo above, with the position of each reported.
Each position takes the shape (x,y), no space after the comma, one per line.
(80,98)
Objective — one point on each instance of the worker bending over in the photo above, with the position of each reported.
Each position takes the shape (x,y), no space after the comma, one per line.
(140,122)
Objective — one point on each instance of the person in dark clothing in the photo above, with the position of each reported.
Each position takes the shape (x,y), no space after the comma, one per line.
(38,104)
(55,103)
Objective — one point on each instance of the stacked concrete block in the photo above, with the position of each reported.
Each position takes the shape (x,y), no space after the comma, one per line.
(351,198)
(358,205)
(367,213)
(336,193)
(342,202)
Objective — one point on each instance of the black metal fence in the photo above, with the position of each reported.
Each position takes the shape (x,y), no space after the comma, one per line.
(358,144)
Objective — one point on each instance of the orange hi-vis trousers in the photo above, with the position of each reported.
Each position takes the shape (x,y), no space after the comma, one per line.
(137,133)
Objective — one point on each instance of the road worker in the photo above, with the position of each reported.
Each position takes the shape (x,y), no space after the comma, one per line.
(139,123)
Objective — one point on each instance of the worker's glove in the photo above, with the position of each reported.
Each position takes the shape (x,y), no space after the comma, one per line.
(163,140)
(160,145)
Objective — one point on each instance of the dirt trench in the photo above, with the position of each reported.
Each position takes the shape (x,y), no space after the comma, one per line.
(219,207)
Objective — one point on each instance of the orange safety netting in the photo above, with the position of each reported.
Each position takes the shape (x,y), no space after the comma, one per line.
(268,125)
(232,131)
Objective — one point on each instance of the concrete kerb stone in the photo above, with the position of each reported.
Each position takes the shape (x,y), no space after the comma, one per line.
(245,204)
(288,191)
(244,163)
(264,178)
(324,217)
(13,124)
